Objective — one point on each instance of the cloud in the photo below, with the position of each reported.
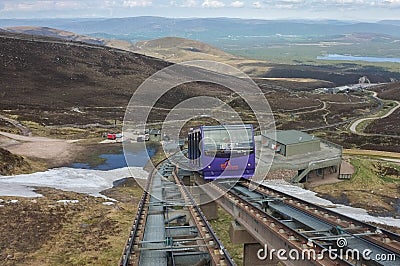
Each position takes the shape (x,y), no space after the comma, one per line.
(390,3)
(322,5)
(41,5)
(237,4)
(110,3)
(288,4)
(189,3)
(142,3)
(257,5)
(212,4)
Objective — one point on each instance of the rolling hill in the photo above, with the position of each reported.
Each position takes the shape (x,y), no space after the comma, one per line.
(54,82)
(67,35)
(171,49)
(197,28)
(55,33)
(176,49)
(46,79)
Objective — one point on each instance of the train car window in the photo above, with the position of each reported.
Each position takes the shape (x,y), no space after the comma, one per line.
(231,142)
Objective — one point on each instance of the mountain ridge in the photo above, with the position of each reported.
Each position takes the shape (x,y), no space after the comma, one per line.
(186,25)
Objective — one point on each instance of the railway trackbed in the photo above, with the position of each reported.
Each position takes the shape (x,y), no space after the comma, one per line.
(169,228)
(272,218)
(321,226)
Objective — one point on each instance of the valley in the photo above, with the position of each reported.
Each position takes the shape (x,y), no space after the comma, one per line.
(61,96)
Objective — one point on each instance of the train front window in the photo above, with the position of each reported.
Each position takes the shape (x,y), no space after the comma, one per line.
(228,141)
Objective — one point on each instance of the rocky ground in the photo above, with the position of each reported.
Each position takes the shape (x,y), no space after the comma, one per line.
(66,228)
(12,164)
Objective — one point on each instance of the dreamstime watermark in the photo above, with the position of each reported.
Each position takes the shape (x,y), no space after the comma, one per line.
(151,107)
(332,253)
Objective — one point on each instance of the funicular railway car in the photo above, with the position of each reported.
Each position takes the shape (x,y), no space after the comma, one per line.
(224,151)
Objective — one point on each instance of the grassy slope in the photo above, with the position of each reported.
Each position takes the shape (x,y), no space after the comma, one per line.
(373,187)
(85,233)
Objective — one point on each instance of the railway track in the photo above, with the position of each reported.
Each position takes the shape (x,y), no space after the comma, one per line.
(309,225)
(128,255)
(268,229)
(273,218)
(219,254)
(159,236)
(385,238)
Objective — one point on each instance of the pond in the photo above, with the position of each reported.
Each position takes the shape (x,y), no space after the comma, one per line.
(339,57)
(138,156)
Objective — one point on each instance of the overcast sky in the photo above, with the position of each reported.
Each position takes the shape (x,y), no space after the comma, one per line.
(365,10)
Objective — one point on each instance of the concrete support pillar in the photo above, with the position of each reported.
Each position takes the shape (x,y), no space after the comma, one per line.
(239,235)
(207,205)
(187,181)
(252,253)
(250,257)
(210,210)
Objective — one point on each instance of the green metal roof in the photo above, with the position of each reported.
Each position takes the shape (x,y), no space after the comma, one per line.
(287,137)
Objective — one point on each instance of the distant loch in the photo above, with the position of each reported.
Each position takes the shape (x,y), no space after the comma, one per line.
(338,57)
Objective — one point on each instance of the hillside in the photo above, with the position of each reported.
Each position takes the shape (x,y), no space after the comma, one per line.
(175,49)
(180,49)
(172,49)
(48,80)
(54,82)
(277,41)
(201,28)
(67,35)
(55,33)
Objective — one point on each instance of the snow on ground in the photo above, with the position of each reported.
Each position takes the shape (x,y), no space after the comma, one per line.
(391,160)
(355,213)
(66,202)
(91,182)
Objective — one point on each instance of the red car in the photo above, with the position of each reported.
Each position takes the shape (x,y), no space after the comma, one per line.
(111,136)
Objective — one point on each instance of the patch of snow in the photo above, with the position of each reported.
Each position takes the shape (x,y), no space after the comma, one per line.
(76,109)
(108,141)
(16,190)
(391,160)
(87,181)
(1,206)
(310,196)
(68,201)
(13,201)
(108,203)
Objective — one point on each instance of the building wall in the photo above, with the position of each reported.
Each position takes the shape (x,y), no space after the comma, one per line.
(272,144)
(301,148)
(321,172)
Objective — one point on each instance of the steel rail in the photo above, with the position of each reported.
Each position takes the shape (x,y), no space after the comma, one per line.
(140,218)
(333,217)
(265,226)
(363,238)
(216,249)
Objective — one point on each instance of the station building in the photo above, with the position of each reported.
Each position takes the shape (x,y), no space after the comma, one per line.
(311,158)
(291,142)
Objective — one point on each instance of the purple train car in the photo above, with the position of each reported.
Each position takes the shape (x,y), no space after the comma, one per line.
(224,151)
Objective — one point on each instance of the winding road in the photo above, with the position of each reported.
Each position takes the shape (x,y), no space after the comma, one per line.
(353,127)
